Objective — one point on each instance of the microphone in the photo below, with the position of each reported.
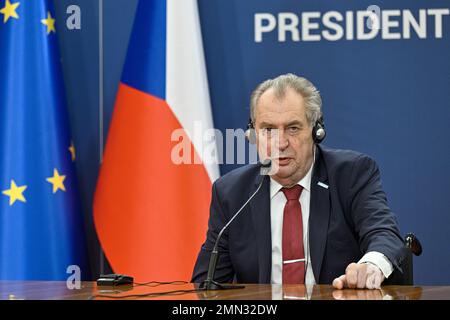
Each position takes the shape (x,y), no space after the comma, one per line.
(209,283)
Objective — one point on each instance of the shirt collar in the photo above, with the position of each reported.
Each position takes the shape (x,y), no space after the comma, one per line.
(305,182)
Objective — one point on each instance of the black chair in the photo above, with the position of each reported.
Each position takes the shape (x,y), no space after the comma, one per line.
(412,247)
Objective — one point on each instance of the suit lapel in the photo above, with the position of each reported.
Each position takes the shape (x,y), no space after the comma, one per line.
(319,215)
(260,210)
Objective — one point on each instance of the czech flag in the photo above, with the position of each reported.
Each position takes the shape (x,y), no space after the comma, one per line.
(150,211)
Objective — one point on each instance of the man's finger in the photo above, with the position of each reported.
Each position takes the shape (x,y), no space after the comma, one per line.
(370,282)
(377,280)
(340,282)
(362,276)
(351,276)
(375,277)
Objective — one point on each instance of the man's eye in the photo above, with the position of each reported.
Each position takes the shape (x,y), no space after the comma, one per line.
(293,129)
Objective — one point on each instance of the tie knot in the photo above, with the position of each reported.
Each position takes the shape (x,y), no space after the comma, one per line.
(292,193)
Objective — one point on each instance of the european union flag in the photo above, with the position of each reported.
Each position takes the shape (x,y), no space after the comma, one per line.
(41,226)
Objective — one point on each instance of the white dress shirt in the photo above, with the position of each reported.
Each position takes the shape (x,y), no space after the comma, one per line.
(277,204)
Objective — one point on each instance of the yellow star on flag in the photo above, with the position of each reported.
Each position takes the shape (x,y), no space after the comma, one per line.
(72,150)
(49,22)
(9,11)
(15,193)
(57,181)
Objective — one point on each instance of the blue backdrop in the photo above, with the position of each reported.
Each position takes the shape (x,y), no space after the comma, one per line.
(385,97)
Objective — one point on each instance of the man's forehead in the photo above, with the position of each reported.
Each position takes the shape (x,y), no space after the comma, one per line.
(280,111)
(268,120)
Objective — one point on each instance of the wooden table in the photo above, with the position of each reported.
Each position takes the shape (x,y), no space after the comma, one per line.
(35,290)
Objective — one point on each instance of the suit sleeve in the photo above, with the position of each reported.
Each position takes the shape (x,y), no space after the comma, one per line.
(217,219)
(374,223)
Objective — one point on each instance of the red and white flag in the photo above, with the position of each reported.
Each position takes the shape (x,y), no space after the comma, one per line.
(150,212)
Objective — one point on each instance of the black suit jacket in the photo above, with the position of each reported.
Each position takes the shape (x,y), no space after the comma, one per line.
(347,219)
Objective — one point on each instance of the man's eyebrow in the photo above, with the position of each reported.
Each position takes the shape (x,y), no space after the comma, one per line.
(292,123)
(267,124)
(295,122)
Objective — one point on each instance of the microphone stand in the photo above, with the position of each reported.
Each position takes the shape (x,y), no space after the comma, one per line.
(209,283)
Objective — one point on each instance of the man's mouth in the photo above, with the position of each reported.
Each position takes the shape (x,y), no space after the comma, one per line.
(282,161)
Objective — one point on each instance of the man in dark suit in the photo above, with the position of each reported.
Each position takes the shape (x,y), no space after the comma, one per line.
(321,216)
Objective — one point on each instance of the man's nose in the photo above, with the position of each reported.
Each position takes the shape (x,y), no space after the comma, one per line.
(283,141)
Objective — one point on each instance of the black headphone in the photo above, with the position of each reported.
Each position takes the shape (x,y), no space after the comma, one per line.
(318,131)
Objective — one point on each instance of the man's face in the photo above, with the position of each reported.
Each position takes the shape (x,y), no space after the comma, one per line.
(284,120)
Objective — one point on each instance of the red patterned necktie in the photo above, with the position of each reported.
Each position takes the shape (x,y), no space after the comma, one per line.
(293,254)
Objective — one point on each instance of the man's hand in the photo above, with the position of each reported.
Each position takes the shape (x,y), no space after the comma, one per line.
(361,276)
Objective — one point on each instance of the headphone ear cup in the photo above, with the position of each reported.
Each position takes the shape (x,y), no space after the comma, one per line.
(250,134)
(319,133)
